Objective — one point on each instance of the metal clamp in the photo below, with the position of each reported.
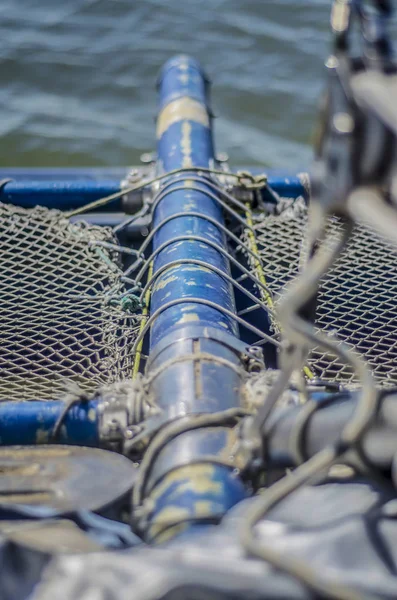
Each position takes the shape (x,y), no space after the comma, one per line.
(123,407)
(251,356)
(253,359)
(132,202)
(113,419)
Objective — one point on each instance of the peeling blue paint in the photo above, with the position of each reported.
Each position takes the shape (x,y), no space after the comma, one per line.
(32,422)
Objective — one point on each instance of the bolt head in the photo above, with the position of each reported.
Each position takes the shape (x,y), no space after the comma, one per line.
(222,157)
(332,62)
(147,158)
(343,123)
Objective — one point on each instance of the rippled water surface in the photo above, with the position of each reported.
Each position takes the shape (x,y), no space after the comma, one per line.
(77,77)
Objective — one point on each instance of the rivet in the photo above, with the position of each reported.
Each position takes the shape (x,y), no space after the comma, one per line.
(343,123)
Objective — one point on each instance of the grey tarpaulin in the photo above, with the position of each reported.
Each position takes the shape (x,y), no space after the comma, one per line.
(20,567)
(345,530)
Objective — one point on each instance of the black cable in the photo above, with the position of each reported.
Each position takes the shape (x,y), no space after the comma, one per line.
(68,404)
(3,183)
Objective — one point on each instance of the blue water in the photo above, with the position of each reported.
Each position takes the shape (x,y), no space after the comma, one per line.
(77,77)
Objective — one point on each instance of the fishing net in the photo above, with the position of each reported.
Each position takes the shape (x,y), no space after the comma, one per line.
(60,319)
(357,300)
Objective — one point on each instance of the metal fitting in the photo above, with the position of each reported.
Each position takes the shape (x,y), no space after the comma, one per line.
(122,408)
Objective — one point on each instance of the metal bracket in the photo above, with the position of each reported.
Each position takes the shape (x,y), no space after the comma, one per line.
(123,407)
(113,419)
(251,356)
(133,201)
(246,191)
(137,437)
(253,359)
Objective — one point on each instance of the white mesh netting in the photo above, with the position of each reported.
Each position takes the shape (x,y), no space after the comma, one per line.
(357,299)
(56,321)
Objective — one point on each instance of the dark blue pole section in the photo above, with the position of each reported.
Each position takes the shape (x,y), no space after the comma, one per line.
(24,423)
(185,140)
(194,365)
(63,195)
(65,191)
(96,174)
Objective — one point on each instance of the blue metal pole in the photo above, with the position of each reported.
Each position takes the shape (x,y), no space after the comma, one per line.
(96,174)
(66,190)
(193,360)
(63,195)
(24,423)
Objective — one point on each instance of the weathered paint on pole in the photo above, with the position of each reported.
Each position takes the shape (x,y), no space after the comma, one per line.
(192,361)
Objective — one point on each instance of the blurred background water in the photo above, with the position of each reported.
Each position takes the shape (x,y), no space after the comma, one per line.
(77,77)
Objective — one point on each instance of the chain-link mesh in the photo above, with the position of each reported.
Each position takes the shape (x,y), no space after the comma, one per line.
(56,321)
(357,300)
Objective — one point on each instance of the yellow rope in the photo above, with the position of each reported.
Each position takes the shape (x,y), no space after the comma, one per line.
(258,266)
(145,316)
(260,273)
(308,372)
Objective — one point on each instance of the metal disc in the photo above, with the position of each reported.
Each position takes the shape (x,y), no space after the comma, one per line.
(62,478)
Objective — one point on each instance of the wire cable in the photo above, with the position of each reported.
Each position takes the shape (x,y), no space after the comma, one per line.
(302,332)
(255,184)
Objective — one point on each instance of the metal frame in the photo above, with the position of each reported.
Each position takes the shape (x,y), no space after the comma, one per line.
(66,189)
